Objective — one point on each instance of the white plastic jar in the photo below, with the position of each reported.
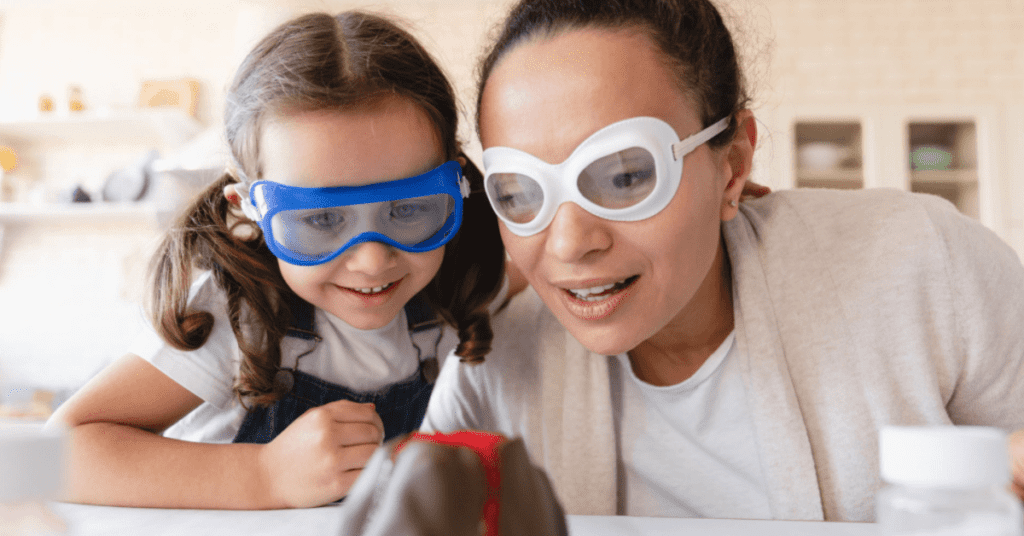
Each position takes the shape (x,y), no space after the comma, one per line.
(31,463)
(946,480)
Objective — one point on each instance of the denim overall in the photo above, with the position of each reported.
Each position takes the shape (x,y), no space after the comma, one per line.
(401,405)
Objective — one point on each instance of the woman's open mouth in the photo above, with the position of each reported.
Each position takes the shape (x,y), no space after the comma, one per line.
(603,292)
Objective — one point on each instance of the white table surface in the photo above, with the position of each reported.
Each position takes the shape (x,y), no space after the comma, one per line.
(105,520)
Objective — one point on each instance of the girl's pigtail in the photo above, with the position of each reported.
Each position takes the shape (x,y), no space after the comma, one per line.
(208,236)
(470,279)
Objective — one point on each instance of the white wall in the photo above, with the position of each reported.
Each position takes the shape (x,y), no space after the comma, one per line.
(69,292)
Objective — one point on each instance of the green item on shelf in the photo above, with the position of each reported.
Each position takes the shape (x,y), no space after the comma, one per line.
(930,157)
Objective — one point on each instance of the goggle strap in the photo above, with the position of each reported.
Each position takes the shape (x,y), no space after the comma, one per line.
(464,186)
(681,149)
(249,209)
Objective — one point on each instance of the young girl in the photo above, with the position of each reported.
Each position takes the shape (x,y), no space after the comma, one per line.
(326,258)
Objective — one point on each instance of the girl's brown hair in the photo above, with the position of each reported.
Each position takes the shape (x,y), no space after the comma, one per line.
(315,62)
(690,34)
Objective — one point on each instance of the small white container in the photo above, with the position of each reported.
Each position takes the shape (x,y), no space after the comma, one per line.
(946,480)
(31,467)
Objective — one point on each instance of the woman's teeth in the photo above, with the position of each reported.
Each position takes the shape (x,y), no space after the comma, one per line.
(598,293)
(373,290)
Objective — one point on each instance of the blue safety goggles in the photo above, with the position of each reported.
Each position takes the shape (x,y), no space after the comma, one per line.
(308,226)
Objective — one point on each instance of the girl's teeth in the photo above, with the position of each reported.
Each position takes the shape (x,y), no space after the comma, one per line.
(373,290)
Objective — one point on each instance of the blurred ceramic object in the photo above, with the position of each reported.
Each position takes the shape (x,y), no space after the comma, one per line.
(130,183)
(31,461)
(821,155)
(931,157)
(172,188)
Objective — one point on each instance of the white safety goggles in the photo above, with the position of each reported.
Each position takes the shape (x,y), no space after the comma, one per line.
(627,171)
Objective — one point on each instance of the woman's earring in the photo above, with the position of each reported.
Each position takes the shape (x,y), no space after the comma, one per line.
(733,203)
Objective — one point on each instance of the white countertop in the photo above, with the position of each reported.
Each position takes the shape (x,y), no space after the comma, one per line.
(105,520)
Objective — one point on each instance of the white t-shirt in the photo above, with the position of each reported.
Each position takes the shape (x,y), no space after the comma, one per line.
(361,360)
(687,450)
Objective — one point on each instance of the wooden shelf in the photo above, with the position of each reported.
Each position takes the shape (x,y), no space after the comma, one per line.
(96,212)
(945,176)
(845,179)
(166,126)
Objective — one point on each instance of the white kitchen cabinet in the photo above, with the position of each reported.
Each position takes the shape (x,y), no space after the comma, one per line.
(874,147)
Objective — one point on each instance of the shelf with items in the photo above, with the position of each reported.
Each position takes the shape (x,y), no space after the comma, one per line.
(828,154)
(944,161)
(162,126)
(77,213)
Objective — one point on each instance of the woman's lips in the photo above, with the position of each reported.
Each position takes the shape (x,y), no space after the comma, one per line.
(599,301)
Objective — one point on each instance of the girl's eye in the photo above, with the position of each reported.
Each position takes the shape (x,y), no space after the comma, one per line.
(324,220)
(404,211)
(632,179)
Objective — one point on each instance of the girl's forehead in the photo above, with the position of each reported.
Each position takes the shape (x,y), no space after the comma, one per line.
(322,148)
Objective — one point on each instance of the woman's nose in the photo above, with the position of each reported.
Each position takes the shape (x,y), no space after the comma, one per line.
(575,234)
(370,258)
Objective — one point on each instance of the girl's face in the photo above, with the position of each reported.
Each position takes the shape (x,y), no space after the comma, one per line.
(545,97)
(368,284)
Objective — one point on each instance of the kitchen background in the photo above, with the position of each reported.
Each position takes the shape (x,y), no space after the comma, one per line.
(925,95)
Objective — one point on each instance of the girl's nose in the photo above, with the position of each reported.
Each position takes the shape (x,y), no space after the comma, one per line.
(575,234)
(370,258)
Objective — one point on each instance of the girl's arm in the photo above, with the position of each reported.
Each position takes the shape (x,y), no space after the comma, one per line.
(117,457)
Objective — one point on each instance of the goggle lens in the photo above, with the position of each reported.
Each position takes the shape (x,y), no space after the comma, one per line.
(317,233)
(517,197)
(616,181)
(619,180)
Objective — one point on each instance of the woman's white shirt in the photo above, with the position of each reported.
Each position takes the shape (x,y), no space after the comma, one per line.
(696,431)
(360,360)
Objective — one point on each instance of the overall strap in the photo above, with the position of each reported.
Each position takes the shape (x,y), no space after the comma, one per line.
(425,329)
(302,325)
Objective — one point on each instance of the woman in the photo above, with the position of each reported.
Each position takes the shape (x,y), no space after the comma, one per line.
(755,349)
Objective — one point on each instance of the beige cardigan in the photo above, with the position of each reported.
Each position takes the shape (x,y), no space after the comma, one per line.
(852,310)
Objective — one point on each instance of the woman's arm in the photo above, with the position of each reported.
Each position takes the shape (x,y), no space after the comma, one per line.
(118,457)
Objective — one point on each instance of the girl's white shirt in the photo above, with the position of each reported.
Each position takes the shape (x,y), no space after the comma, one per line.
(360,360)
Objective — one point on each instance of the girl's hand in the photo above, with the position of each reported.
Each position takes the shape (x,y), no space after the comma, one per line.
(319,456)
(1017,462)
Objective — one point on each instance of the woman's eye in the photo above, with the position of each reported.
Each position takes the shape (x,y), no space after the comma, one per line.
(324,220)
(632,179)
(510,200)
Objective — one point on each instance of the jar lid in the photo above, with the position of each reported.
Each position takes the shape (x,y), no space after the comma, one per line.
(944,456)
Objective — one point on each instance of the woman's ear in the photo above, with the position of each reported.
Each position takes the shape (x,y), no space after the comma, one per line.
(739,159)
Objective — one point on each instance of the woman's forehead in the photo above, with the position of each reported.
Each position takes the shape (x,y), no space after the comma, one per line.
(568,85)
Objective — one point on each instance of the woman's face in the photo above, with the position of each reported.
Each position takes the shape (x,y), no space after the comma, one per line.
(369,283)
(545,97)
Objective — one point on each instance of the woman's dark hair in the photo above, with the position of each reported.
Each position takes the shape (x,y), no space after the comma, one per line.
(317,62)
(690,34)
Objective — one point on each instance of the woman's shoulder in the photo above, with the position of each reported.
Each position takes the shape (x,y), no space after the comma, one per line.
(850,218)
